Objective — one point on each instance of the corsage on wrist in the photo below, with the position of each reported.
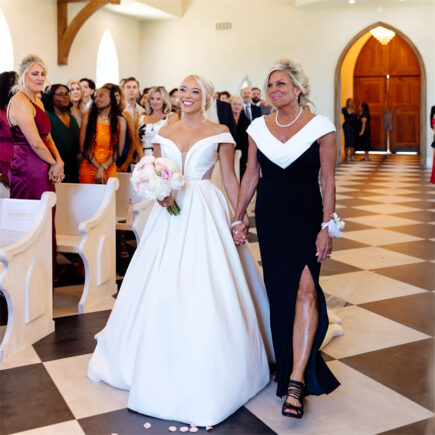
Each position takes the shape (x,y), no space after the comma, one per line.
(235,223)
(334,226)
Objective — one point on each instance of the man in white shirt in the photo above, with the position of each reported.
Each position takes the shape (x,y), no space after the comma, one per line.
(257,101)
(131,92)
(88,90)
(251,111)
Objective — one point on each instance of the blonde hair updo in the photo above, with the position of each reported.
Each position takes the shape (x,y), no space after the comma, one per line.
(298,78)
(25,66)
(207,91)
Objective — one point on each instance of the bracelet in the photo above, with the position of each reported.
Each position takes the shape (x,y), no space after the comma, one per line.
(235,223)
(334,226)
(104,166)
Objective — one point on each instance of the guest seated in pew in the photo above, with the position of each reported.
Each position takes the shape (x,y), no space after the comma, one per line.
(64,129)
(102,138)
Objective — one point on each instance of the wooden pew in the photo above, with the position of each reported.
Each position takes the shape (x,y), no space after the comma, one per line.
(26,278)
(85,224)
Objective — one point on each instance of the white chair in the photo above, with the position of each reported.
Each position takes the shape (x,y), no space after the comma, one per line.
(26,275)
(132,211)
(86,225)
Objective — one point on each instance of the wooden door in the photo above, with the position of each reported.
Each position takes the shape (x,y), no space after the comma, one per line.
(387,78)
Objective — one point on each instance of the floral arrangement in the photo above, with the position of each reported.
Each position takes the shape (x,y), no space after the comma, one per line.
(334,226)
(155,178)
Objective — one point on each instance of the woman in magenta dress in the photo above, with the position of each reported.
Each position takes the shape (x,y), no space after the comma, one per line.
(7,81)
(36,164)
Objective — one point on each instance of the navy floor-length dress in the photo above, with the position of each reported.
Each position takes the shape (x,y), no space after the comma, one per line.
(289,213)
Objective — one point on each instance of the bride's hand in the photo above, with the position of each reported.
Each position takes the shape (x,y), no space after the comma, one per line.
(169,200)
(240,234)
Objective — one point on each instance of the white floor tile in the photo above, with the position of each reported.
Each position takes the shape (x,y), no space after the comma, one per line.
(24,357)
(84,397)
(391,191)
(379,236)
(66,428)
(383,220)
(373,257)
(364,286)
(388,198)
(386,208)
(341,189)
(365,331)
(360,406)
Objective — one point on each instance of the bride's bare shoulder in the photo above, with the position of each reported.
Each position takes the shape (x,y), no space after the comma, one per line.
(167,130)
(217,128)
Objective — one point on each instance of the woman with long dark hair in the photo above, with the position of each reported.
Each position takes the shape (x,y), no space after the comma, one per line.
(102,138)
(7,81)
(364,134)
(64,129)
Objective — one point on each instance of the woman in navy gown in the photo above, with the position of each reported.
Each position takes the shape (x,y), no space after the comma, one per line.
(290,147)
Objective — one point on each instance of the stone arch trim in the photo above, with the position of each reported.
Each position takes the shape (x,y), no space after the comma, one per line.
(423,99)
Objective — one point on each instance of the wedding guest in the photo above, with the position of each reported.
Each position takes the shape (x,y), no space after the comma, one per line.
(123,161)
(174,102)
(290,147)
(364,134)
(158,113)
(224,96)
(144,97)
(64,129)
(251,111)
(242,123)
(350,128)
(36,164)
(88,89)
(102,138)
(131,92)
(7,81)
(78,107)
(257,101)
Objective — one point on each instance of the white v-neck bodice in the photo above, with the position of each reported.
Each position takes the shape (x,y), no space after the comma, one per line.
(284,154)
(199,160)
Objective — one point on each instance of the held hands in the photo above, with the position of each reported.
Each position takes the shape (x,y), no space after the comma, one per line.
(100,176)
(323,245)
(55,173)
(240,231)
(168,201)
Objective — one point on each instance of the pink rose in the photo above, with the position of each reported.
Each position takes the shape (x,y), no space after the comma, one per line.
(166,174)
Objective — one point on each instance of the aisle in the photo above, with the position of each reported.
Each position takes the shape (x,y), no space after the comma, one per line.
(383,268)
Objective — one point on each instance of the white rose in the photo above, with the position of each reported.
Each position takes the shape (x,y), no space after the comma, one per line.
(177,181)
(157,189)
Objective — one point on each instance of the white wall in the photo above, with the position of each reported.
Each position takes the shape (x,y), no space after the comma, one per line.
(263,31)
(33,27)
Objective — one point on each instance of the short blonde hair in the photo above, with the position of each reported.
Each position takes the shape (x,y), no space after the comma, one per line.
(26,64)
(81,106)
(167,106)
(296,75)
(234,98)
(207,90)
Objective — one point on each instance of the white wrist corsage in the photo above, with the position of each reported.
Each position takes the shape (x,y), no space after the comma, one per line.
(334,226)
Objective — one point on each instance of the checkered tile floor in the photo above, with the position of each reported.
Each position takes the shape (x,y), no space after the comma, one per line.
(382,271)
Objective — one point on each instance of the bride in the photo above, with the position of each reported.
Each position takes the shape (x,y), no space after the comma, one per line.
(189,334)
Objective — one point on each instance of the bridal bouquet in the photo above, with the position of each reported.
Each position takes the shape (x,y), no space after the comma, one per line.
(155,178)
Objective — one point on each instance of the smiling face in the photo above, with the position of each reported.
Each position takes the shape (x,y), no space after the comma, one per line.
(190,95)
(61,98)
(102,98)
(281,90)
(156,101)
(75,92)
(236,106)
(35,78)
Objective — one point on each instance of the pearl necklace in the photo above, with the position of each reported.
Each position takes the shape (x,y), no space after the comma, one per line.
(291,123)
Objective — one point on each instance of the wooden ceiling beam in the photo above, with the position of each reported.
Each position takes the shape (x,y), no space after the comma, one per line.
(67,33)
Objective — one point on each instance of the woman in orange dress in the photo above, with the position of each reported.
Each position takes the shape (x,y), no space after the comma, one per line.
(102,138)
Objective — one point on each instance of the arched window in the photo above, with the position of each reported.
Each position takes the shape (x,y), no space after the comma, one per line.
(6,51)
(107,61)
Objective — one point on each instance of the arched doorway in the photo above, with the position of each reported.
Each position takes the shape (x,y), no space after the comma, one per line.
(389,78)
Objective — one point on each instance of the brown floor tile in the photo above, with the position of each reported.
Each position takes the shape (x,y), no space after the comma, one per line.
(415,311)
(353,212)
(419,274)
(405,369)
(423,215)
(354,226)
(355,201)
(424,249)
(426,231)
(418,204)
(424,427)
(340,243)
(333,267)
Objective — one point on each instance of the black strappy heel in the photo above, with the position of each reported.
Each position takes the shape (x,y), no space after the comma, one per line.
(296,390)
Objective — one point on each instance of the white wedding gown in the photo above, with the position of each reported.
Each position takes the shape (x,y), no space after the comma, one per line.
(189,334)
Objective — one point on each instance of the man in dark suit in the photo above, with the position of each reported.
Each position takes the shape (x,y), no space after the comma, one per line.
(251,111)
(221,113)
(257,101)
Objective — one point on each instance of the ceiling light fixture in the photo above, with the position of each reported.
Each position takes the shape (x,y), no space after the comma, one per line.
(383,35)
